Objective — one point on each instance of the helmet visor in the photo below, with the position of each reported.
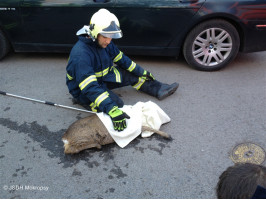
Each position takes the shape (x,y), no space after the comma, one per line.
(112,31)
(116,35)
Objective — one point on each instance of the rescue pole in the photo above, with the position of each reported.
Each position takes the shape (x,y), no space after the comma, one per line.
(45,102)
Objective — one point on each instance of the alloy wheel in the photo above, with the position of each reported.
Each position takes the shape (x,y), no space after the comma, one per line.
(212,46)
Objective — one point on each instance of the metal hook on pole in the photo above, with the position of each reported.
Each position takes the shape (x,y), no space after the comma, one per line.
(45,102)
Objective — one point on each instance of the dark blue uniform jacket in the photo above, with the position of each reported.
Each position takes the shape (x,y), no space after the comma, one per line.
(90,65)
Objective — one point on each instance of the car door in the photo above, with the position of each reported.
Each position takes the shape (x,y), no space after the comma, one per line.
(52,24)
(10,21)
(151,25)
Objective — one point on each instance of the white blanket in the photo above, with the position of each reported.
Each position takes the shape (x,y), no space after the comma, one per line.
(148,114)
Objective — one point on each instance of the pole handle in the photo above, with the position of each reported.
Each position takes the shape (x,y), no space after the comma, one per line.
(3,93)
(45,102)
(49,103)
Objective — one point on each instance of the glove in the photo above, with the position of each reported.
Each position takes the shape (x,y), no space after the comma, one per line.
(118,118)
(147,76)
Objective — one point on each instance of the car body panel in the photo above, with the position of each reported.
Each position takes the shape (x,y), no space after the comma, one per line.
(10,18)
(245,15)
(154,23)
(150,27)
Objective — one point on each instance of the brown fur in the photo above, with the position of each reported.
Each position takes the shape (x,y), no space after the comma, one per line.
(90,132)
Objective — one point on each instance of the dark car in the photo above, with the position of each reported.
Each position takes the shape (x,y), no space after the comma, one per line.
(208,32)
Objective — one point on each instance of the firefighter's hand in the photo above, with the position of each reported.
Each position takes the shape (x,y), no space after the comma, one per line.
(118,118)
(147,76)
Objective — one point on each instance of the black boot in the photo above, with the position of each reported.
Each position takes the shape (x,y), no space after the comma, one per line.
(166,90)
(151,87)
(158,89)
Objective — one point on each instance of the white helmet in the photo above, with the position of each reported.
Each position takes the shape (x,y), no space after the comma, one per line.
(103,22)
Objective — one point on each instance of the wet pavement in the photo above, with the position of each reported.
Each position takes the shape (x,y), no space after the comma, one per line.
(211,113)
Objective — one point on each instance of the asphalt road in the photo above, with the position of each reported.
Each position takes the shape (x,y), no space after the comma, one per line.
(210,113)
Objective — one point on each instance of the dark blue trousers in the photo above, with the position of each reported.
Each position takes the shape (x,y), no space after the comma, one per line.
(149,87)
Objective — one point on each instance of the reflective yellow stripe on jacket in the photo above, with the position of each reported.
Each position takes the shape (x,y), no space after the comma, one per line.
(118,57)
(69,77)
(101,98)
(102,73)
(87,81)
(93,107)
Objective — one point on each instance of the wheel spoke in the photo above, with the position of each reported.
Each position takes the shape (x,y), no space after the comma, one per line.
(216,58)
(221,57)
(208,34)
(212,34)
(225,36)
(198,53)
(220,35)
(201,39)
(204,59)
(199,43)
(209,60)
(226,47)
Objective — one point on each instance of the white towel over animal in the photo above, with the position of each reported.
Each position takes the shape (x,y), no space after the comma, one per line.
(141,114)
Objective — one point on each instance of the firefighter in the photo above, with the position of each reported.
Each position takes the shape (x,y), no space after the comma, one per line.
(96,66)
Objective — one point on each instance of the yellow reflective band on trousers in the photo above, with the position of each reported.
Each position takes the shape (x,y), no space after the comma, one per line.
(102,73)
(101,98)
(87,81)
(69,77)
(139,84)
(118,57)
(93,107)
(132,67)
(117,75)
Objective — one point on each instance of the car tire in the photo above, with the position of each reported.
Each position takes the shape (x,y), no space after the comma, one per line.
(211,45)
(4,45)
